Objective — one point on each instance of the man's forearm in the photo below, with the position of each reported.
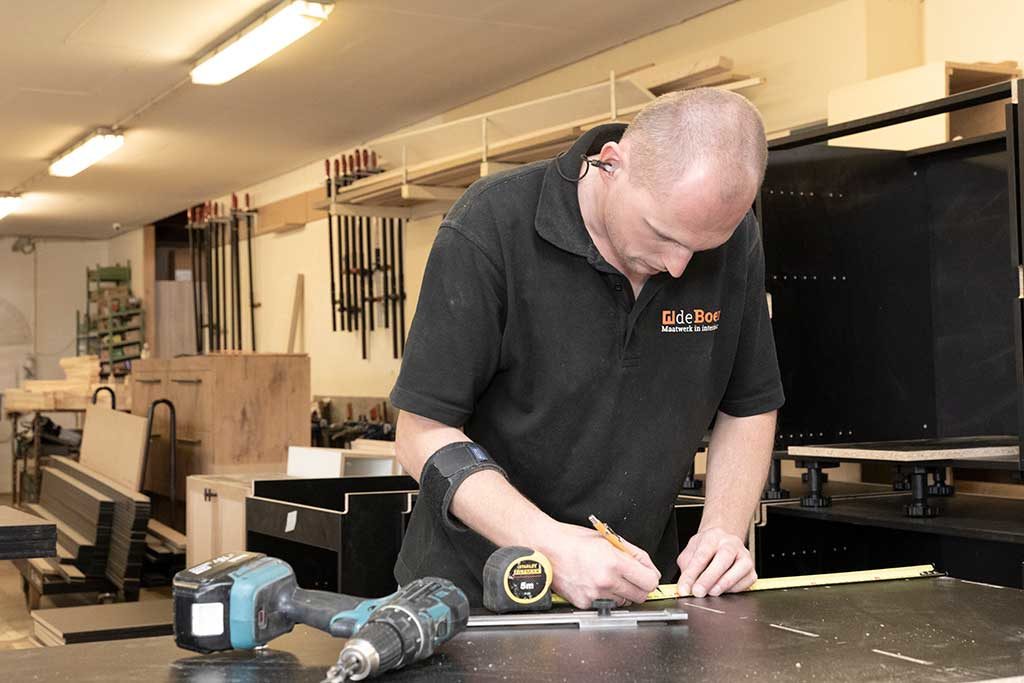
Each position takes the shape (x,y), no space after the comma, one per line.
(485,502)
(738,459)
(586,566)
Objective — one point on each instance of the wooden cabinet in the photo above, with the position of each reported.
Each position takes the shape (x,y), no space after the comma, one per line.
(215,514)
(148,386)
(236,413)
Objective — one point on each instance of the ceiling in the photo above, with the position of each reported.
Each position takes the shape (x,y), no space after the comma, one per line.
(69,66)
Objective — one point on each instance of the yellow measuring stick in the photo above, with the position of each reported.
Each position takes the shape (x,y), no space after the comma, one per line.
(670,591)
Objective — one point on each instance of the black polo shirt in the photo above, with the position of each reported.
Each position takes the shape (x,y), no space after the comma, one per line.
(592,402)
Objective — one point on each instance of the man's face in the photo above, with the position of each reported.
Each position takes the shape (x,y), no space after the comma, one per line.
(652,234)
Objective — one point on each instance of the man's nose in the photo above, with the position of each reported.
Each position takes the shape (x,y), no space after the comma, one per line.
(677,261)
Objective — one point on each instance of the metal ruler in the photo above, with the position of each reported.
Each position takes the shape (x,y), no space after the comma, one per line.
(585,620)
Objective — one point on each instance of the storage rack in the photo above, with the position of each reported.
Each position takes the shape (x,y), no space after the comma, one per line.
(116,334)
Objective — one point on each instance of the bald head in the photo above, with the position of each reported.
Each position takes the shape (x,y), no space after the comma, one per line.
(715,132)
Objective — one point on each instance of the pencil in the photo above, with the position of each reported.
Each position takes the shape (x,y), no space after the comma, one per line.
(609,534)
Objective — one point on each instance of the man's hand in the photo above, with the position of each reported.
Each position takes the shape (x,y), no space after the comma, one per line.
(715,562)
(587,567)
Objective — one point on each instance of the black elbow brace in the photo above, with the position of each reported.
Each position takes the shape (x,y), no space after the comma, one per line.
(445,471)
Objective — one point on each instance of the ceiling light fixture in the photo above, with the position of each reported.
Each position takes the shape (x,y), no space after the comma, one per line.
(271,33)
(86,153)
(9,203)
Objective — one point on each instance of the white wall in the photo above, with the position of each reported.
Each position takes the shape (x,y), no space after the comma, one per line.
(973,31)
(802,48)
(17,322)
(59,292)
(43,289)
(127,249)
(336,357)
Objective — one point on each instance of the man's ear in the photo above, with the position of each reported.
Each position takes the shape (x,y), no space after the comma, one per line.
(611,157)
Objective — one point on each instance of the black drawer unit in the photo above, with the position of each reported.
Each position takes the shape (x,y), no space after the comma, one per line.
(339,534)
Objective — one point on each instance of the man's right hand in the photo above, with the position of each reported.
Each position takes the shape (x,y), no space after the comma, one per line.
(587,567)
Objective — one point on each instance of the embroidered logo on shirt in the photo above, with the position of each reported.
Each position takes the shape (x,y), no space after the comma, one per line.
(697,320)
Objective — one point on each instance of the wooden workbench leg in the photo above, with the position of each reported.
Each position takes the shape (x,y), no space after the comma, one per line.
(37,483)
(15,489)
(33,597)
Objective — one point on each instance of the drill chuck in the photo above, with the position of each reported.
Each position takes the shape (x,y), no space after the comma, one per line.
(411,626)
(378,648)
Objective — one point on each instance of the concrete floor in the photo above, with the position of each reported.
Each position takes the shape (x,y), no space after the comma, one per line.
(15,620)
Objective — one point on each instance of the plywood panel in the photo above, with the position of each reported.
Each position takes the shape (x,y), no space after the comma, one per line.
(175,319)
(374,445)
(880,452)
(285,214)
(148,282)
(113,444)
(257,413)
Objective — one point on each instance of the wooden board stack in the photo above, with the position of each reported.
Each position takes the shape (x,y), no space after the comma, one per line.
(128,531)
(165,552)
(376,445)
(81,369)
(25,536)
(84,519)
(93,623)
(74,392)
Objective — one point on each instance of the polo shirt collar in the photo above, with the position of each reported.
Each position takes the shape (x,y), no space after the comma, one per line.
(558,218)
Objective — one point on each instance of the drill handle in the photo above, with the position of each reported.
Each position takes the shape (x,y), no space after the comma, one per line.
(337,614)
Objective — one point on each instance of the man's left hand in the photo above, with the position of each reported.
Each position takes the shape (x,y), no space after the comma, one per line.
(715,562)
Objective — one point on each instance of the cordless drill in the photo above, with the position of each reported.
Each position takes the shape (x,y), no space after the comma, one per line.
(245,600)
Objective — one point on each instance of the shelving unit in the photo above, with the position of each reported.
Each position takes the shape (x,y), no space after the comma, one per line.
(112,325)
(427,169)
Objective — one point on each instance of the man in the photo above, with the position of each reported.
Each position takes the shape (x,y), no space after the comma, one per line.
(582,322)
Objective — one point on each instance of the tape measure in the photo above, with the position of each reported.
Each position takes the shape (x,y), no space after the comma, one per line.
(670,591)
(517,579)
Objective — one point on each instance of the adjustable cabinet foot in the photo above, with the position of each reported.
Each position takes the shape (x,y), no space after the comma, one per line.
(773,490)
(900,481)
(918,506)
(939,487)
(690,482)
(816,479)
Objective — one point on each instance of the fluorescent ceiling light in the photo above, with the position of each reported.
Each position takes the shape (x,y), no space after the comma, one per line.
(85,154)
(9,203)
(270,34)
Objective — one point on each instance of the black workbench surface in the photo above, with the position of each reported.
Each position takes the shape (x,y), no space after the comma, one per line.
(917,630)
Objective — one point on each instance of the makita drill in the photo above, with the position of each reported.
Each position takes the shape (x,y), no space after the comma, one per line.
(244,600)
